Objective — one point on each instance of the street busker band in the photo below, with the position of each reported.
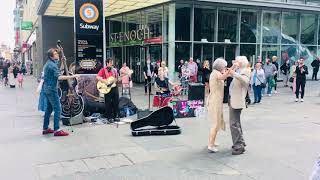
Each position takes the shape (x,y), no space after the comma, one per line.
(107,85)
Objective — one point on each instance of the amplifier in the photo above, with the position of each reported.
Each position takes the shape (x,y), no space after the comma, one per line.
(196,91)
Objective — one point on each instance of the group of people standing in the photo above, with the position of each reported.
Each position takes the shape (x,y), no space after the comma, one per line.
(12,73)
(266,76)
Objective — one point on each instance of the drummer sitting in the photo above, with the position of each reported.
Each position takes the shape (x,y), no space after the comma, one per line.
(162,85)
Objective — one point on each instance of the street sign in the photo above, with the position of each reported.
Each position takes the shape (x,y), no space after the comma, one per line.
(26,25)
(89,30)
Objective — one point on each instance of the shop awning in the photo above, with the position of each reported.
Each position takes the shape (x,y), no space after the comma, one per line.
(112,7)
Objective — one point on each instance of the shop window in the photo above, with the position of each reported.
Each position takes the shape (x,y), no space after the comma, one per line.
(183,22)
(227,25)
(308,28)
(290,28)
(204,24)
(271,27)
(248,32)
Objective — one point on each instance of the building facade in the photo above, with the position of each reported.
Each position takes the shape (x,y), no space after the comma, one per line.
(208,30)
(170,30)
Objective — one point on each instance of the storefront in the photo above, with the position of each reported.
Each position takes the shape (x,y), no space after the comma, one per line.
(206,31)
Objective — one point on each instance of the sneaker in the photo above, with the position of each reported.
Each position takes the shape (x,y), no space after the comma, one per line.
(61,133)
(269,95)
(116,120)
(297,100)
(212,149)
(48,131)
(275,92)
(301,100)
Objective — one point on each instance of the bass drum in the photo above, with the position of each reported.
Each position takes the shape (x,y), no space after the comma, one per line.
(72,107)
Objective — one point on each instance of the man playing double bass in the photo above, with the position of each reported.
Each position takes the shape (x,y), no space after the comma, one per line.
(111,98)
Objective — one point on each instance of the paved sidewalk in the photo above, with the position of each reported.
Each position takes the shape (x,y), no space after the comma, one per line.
(282,137)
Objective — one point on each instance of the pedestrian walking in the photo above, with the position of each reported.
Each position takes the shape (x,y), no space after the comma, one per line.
(215,101)
(257,81)
(11,77)
(50,87)
(315,64)
(269,70)
(285,71)
(20,78)
(238,90)
(5,72)
(301,71)
(293,76)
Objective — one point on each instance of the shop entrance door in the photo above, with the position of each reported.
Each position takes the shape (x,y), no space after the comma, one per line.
(135,58)
(226,51)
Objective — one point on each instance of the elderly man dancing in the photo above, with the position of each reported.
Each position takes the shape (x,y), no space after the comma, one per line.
(238,90)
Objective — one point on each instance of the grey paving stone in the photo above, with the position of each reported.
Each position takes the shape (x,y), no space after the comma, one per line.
(97,163)
(50,170)
(117,160)
(76,166)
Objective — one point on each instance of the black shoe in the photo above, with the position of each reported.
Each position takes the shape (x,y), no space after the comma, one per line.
(116,120)
(238,151)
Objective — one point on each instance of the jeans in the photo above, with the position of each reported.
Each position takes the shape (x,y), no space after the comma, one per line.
(275,80)
(112,103)
(257,93)
(300,84)
(53,104)
(268,80)
(184,84)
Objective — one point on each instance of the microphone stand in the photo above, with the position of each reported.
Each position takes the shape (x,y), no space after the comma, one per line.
(149,83)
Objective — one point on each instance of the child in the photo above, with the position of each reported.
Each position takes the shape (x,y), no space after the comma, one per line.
(20,78)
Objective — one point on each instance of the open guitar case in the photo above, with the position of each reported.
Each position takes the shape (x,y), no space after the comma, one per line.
(157,123)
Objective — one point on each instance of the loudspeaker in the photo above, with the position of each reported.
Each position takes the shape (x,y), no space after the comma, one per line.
(196,91)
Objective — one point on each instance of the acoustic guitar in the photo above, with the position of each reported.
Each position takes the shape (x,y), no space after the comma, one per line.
(105,87)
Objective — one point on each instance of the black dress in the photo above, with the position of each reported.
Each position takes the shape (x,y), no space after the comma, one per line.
(205,75)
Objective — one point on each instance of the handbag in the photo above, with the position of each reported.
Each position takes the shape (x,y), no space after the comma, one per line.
(263,85)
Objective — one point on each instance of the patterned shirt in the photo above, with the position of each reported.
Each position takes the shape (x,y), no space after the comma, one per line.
(51,74)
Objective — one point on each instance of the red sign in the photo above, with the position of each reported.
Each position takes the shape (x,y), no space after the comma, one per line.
(155,40)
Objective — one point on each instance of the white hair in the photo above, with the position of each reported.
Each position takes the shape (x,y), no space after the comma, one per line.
(219,64)
(243,61)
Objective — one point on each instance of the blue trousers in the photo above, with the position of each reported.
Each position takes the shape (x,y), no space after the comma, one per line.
(257,93)
(268,82)
(53,104)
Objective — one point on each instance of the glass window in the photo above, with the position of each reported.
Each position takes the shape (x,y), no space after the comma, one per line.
(165,23)
(183,22)
(197,51)
(248,31)
(153,20)
(290,28)
(313,2)
(308,28)
(296,1)
(248,50)
(271,27)
(182,52)
(227,25)
(270,50)
(290,53)
(115,28)
(204,24)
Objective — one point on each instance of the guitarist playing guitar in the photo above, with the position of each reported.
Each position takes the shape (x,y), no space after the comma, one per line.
(109,77)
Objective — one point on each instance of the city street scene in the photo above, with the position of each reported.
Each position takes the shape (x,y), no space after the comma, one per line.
(160,89)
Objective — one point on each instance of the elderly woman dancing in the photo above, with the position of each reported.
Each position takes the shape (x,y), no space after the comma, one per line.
(215,101)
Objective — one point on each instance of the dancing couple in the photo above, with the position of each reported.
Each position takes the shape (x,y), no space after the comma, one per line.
(237,92)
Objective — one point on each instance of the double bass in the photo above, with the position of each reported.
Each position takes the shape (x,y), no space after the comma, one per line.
(72,104)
